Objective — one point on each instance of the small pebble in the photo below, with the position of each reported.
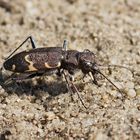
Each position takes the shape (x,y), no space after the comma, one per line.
(2,90)
(131,93)
(58,125)
(50,115)
(100,136)
(29,116)
(130,85)
(87,122)
(38,101)
(18,100)
(106,98)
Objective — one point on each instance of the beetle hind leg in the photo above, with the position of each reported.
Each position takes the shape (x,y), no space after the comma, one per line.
(19,77)
(32,44)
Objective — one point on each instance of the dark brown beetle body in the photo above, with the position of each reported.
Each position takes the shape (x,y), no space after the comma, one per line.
(40,59)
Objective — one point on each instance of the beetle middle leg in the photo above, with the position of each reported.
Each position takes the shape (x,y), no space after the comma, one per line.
(65,44)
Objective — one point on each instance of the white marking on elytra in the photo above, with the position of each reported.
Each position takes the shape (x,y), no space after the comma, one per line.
(31,67)
(48,66)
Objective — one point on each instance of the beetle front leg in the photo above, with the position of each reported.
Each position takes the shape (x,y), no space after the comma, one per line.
(75,88)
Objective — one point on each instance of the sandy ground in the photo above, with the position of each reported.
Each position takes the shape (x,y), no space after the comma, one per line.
(42,108)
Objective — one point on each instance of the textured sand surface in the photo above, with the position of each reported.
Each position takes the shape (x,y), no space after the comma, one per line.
(42,108)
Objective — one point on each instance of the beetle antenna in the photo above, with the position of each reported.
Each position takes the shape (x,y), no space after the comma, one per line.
(32,43)
(113,66)
(109,80)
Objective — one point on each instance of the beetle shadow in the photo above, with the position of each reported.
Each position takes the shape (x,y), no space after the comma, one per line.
(27,87)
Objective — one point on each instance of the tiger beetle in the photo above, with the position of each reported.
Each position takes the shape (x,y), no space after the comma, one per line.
(58,60)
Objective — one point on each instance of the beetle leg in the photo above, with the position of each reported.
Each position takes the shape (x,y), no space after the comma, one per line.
(65,44)
(67,81)
(21,77)
(32,44)
(25,76)
(59,72)
(78,94)
(69,87)
(83,77)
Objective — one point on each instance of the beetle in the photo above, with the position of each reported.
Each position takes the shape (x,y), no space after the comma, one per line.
(59,60)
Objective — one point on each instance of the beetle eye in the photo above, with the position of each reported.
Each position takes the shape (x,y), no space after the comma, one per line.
(88,64)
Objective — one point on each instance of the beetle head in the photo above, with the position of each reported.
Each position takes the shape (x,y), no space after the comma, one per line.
(87,62)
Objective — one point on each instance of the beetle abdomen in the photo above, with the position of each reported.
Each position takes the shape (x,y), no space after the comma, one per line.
(16,63)
(41,59)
